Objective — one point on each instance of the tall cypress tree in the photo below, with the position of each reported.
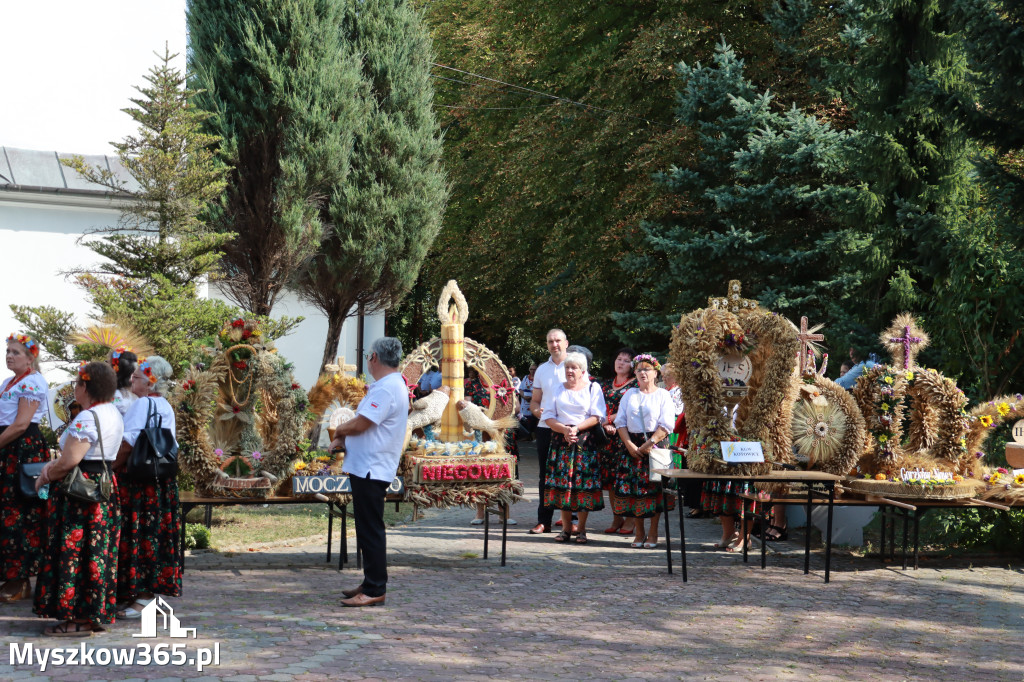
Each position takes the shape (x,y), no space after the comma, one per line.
(283,82)
(384,218)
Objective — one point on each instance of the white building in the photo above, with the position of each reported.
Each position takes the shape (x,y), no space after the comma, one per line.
(45,208)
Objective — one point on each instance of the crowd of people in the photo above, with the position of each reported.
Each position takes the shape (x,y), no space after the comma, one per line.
(93,561)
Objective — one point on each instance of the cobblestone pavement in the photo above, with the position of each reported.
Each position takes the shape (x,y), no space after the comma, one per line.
(597,612)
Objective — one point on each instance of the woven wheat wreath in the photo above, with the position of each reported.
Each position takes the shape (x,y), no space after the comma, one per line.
(729,326)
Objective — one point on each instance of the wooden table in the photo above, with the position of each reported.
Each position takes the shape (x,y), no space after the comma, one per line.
(809,477)
(189,501)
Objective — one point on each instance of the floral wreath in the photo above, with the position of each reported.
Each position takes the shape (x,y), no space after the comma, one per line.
(648,358)
(938,422)
(195,405)
(27,341)
(115,357)
(147,371)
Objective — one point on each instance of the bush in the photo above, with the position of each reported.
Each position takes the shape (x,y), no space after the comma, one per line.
(197,536)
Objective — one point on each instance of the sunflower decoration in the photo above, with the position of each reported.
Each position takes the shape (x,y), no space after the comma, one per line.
(111,338)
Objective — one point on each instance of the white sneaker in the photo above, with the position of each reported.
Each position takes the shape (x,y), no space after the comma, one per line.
(512,522)
(476,522)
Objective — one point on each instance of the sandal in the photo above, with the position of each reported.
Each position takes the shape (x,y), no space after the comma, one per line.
(737,546)
(637,545)
(695,514)
(563,536)
(777,534)
(735,537)
(581,538)
(64,629)
(624,531)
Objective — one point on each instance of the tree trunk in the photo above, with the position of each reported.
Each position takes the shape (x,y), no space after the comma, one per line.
(335,321)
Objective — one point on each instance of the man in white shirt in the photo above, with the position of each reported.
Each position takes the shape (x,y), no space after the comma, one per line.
(547,377)
(373,448)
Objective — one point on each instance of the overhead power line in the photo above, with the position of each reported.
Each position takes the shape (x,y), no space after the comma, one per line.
(547,95)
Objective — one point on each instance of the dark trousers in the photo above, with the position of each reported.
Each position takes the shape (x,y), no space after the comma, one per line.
(543,440)
(368,499)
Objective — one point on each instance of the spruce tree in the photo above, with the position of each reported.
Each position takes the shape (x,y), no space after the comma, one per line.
(912,157)
(283,81)
(757,203)
(384,217)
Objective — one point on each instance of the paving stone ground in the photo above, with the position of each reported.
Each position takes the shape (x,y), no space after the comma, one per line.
(597,612)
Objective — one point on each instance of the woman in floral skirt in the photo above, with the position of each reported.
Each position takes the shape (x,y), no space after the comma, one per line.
(614,388)
(574,472)
(148,561)
(645,418)
(78,580)
(22,520)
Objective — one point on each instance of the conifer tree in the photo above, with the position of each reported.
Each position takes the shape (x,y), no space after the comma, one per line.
(282,80)
(384,217)
(757,202)
(161,246)
(912,157)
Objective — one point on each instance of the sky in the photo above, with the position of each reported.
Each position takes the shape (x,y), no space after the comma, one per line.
(68,67)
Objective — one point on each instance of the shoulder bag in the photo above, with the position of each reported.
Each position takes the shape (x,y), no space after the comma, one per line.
(155,454)
(28,472)
(598,437)
(79,487)
(657,458)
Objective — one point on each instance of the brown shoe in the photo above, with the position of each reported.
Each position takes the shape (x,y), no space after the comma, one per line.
(353,592)
(538,529)
(24,591)
(362,600)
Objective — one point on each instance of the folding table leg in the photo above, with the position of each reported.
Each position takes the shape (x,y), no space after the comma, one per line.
(668,534)
(807,533)
(330,529)
(504,531)
(828,531)
(682,529)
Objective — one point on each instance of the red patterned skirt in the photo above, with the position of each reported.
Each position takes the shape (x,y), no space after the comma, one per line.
(721,498)
(23,521)
(147,557)
(635,494)
(78,578)
(573,478)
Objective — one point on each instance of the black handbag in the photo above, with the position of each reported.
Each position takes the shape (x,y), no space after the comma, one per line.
(81,488)
(28,472)
(155,454)
(598,437)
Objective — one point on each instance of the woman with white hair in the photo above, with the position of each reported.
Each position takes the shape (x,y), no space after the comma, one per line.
(23,399)
(150,516)
(574,472)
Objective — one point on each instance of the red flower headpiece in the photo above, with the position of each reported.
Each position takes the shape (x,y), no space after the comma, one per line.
(27,341)
(82,374)
(115,357)
(147,370)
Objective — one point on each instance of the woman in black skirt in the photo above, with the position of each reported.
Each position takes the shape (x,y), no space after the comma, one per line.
(22,519)
(77,583)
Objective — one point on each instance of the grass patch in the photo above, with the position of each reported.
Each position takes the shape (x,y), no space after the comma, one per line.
(247,525)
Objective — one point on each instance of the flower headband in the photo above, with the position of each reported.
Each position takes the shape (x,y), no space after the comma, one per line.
(115,357)
(648,358)
(27,341)
(147,370)
(82,374)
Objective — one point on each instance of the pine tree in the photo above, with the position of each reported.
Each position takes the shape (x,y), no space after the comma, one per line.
(174,176)
(385,216)
(757,202)
(283,81)
(161,246)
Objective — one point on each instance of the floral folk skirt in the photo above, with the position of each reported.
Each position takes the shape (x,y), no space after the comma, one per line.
(78,579)
(147,557)
(23,520)
(573,476)
(721,498)
(610,455)
(635,494)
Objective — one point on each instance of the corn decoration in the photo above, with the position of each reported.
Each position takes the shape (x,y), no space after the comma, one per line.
(452,311)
